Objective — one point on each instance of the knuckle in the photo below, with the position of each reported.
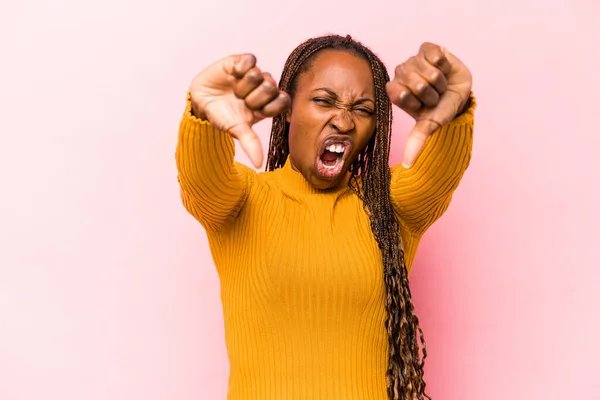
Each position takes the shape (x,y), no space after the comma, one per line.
(426,45)
(399,70)
(284,100)
(404,68)
(249,58)
(436,76)
(254,76)
(429,46)
(417,83)
(398,89)
(390,89)
(437,58)
(405,101)
(242,63)
(269,87)
(438,79)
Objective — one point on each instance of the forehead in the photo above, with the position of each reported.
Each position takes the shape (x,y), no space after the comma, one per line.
(340,71)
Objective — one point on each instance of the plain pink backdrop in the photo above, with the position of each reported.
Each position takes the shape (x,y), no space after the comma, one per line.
(107,289)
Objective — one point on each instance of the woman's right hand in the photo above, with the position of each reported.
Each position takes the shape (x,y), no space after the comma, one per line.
(233,94)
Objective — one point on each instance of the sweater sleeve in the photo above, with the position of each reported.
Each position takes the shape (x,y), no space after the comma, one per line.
(213,186)
(422,193)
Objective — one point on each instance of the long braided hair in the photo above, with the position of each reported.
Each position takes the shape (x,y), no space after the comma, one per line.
(370,180)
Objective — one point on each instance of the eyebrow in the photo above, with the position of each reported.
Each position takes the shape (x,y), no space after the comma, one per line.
(333,94)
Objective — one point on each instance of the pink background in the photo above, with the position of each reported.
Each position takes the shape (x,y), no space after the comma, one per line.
(107,289)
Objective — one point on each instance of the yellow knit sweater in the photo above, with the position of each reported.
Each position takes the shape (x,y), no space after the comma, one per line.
(300,271)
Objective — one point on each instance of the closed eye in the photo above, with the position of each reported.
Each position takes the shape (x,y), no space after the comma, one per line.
(322,101)
(365,111)
(325,102)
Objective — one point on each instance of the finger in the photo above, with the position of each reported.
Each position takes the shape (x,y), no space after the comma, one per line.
(250,143)
(242,64)
(279,105)
(407,100)
(262,95)
(422,89)
(401,96)
(434,76)
(436,56)
(249,82)
(447,109)
(416,141)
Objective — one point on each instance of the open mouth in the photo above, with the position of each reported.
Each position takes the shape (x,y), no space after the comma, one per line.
(330,162)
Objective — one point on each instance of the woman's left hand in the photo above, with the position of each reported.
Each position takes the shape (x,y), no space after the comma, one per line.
(433,87)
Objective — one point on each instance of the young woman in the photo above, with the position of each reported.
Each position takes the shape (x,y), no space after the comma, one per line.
(313,255)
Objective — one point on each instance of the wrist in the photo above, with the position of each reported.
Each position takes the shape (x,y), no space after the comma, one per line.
(197,111)
(466,104)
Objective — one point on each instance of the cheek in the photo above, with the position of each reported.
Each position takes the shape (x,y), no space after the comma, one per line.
(303,130)
(299,142)
(297,131)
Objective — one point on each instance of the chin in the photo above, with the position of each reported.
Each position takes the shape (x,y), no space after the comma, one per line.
(323,182)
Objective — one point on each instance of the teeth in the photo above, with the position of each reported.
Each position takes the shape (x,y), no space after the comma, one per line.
(336,148)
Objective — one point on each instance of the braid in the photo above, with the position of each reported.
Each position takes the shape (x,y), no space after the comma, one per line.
(370,180)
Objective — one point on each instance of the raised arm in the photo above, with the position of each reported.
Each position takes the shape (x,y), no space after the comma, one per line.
(224,101)
(434,87)
(213,186)
(422,193)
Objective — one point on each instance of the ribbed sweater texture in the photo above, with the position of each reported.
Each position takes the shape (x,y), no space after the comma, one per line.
(300,271)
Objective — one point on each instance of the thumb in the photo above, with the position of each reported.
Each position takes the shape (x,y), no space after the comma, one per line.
(444,112)
(416,140)
(250,143)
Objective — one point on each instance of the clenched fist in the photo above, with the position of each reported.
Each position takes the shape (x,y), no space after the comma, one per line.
(233,94)
(433,87)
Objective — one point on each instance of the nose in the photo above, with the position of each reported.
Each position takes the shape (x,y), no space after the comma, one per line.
(342,122)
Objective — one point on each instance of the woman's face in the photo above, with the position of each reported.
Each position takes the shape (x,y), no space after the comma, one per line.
(332,117)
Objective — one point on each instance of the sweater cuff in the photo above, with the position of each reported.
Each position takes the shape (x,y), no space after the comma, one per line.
(467,115)
(189,114)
